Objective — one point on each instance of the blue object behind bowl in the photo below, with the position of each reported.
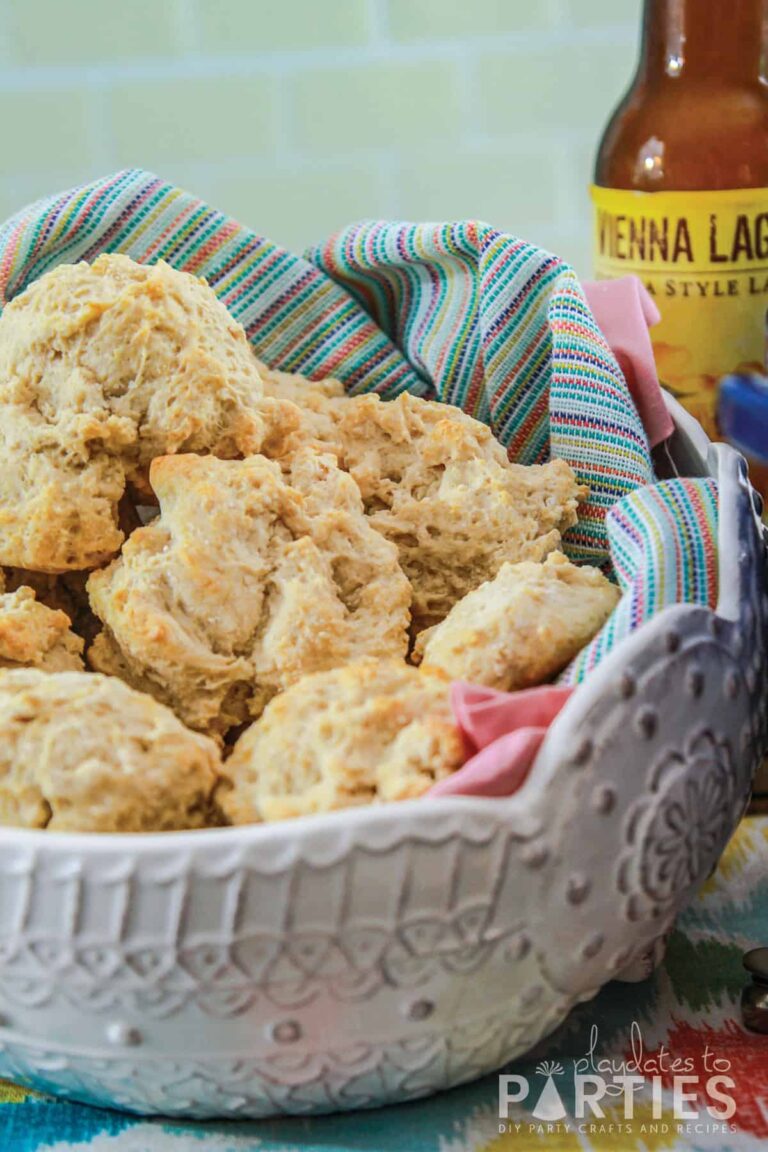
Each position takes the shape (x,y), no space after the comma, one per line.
(743,413)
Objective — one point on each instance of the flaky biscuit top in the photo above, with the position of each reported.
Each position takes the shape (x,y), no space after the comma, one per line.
(246,582)
(522,627)
(378,730)
(81,752)
(104,367)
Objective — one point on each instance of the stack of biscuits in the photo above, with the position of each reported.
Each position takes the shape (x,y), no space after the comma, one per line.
(231,594)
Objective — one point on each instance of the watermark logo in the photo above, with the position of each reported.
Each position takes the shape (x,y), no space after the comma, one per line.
(647,1093)
(549,1105)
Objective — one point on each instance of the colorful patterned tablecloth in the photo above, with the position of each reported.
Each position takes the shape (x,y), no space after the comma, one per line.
(660,1066)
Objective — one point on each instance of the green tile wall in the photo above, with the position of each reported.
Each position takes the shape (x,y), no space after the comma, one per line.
(90,31)
(376,105)
(289,25)
(300,115)
(430,20)
(207,119)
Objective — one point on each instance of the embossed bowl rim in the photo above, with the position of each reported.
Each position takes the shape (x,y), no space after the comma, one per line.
(379,826)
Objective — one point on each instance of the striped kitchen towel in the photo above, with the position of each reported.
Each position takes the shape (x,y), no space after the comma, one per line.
(459,312)
(663,542)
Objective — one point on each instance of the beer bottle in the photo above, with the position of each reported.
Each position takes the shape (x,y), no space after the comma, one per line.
(681,191)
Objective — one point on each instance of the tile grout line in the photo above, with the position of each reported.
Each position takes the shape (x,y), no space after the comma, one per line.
(214,66)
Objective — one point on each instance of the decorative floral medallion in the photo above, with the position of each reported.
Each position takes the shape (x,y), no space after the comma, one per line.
(690,818)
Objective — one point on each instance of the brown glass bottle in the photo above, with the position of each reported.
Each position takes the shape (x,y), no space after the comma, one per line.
(688,144)
(696,114)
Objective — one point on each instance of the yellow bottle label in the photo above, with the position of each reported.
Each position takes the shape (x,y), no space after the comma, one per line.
(703,256)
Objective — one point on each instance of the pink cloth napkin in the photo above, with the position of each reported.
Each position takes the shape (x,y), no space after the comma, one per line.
(504,731)
(624,312)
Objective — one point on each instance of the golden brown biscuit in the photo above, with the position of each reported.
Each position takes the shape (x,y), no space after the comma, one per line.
(402,445)
(86,753)
(63,593)
(317,401)
(245,583)
(437,483)
(49,590)
(522,627)
(377,730)
(35,636)
(55,513)
(103,367)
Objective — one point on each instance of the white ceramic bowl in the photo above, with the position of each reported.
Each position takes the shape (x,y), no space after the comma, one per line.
(383,953)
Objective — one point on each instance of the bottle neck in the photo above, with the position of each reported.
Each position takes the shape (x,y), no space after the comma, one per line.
(703,40)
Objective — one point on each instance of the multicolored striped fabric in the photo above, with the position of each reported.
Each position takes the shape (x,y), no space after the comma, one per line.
(663,542)
(458,312)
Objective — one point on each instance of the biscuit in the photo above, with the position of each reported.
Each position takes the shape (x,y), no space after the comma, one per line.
(49,590)
(245,583)
(377,730)
(318,404)
(63,593)
(436,483)
(103,367)
(86,753)
(522,627)
(35,636)
(55,514)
